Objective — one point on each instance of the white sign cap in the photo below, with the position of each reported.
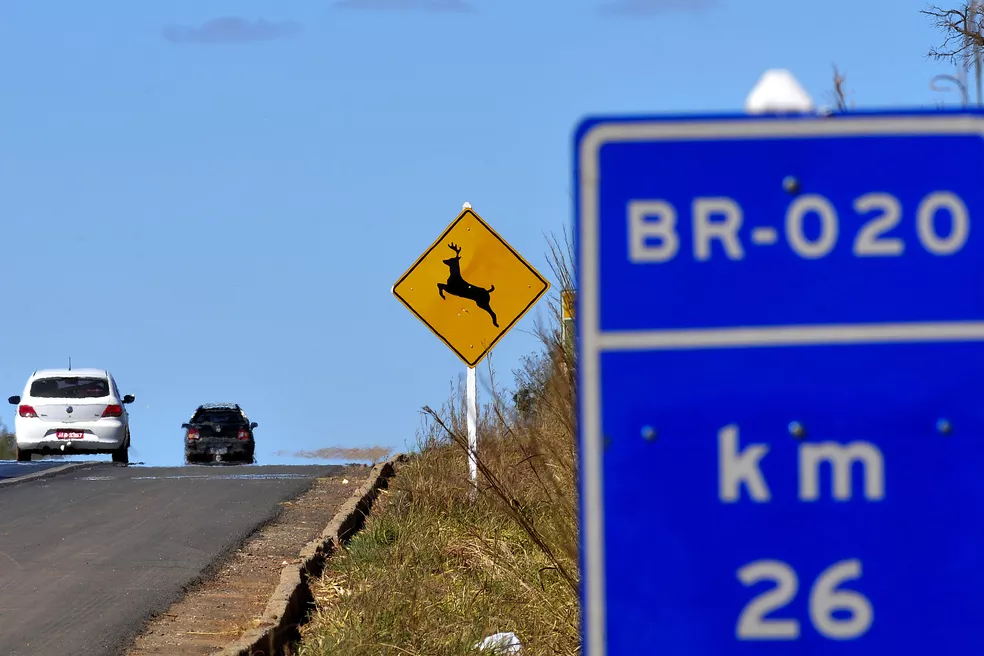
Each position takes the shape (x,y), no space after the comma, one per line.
(778,91)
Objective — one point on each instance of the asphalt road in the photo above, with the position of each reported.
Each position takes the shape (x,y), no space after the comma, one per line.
(13,469)
(88,555)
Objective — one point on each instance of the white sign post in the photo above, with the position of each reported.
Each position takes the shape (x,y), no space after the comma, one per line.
(472,413)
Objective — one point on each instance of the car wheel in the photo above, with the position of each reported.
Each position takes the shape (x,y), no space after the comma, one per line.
(23,455)
(122,455)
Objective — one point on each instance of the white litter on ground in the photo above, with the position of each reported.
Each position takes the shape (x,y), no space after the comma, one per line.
(500,643)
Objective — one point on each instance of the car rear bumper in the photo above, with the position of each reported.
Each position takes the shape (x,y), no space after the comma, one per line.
(103,435)
(209,448)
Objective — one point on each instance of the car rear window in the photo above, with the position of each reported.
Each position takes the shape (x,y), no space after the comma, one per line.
(70,387)
(223,417)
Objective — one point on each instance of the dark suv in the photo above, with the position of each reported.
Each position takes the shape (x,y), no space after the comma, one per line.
(217,432)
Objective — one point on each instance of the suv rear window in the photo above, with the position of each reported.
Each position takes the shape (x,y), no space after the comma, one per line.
(74,387)
(219,416)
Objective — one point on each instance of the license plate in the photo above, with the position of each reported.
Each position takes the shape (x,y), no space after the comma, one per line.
(221,452)
(69,435)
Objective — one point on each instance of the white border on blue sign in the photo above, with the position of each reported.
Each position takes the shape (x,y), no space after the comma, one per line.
(593,341)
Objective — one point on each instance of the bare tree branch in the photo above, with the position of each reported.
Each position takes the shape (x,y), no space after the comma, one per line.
(963,31)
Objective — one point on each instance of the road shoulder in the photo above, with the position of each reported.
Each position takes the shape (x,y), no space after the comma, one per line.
(223,607)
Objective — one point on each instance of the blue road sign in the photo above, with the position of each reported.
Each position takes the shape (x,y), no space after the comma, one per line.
(781,339)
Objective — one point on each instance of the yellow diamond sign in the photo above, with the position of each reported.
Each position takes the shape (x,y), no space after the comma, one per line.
(470,287)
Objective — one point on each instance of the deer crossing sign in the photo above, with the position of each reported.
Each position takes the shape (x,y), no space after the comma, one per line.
(780,331)
(470,287)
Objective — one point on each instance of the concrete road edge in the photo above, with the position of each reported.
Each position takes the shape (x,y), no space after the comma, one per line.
(289,603)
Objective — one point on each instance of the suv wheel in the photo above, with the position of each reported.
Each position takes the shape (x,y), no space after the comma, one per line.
(23,455)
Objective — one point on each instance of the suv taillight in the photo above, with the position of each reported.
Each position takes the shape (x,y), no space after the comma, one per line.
(113,411)
(243,434)
(193,434)
(26,411)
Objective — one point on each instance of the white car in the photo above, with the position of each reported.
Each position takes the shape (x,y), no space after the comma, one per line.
(68,411)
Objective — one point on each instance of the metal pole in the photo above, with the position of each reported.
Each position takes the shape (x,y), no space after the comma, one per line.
(955,80)
(471,411)
(978,73)
(963,70)
(975,8)
(567,321)
(563,330)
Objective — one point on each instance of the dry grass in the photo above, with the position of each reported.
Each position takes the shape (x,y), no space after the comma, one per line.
(433,572)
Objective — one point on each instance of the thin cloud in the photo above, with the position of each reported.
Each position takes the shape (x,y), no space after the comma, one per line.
(231,29)
(654,7)
(432,6)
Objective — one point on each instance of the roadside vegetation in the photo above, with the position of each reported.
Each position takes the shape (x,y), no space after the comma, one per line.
(436,568)
(8,446)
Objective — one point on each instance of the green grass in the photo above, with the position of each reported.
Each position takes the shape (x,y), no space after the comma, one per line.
(434,570)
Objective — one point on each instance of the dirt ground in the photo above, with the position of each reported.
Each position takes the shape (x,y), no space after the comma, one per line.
(221,609)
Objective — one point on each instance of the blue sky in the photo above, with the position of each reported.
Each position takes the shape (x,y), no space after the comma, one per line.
(215,208)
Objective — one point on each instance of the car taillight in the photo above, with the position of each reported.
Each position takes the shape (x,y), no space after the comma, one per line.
(243,434)
(113,411)
(26,411)
(192,433)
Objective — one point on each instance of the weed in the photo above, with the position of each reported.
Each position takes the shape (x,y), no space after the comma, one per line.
(433,572)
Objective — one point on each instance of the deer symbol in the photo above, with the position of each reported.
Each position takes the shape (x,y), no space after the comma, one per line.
(457,286)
